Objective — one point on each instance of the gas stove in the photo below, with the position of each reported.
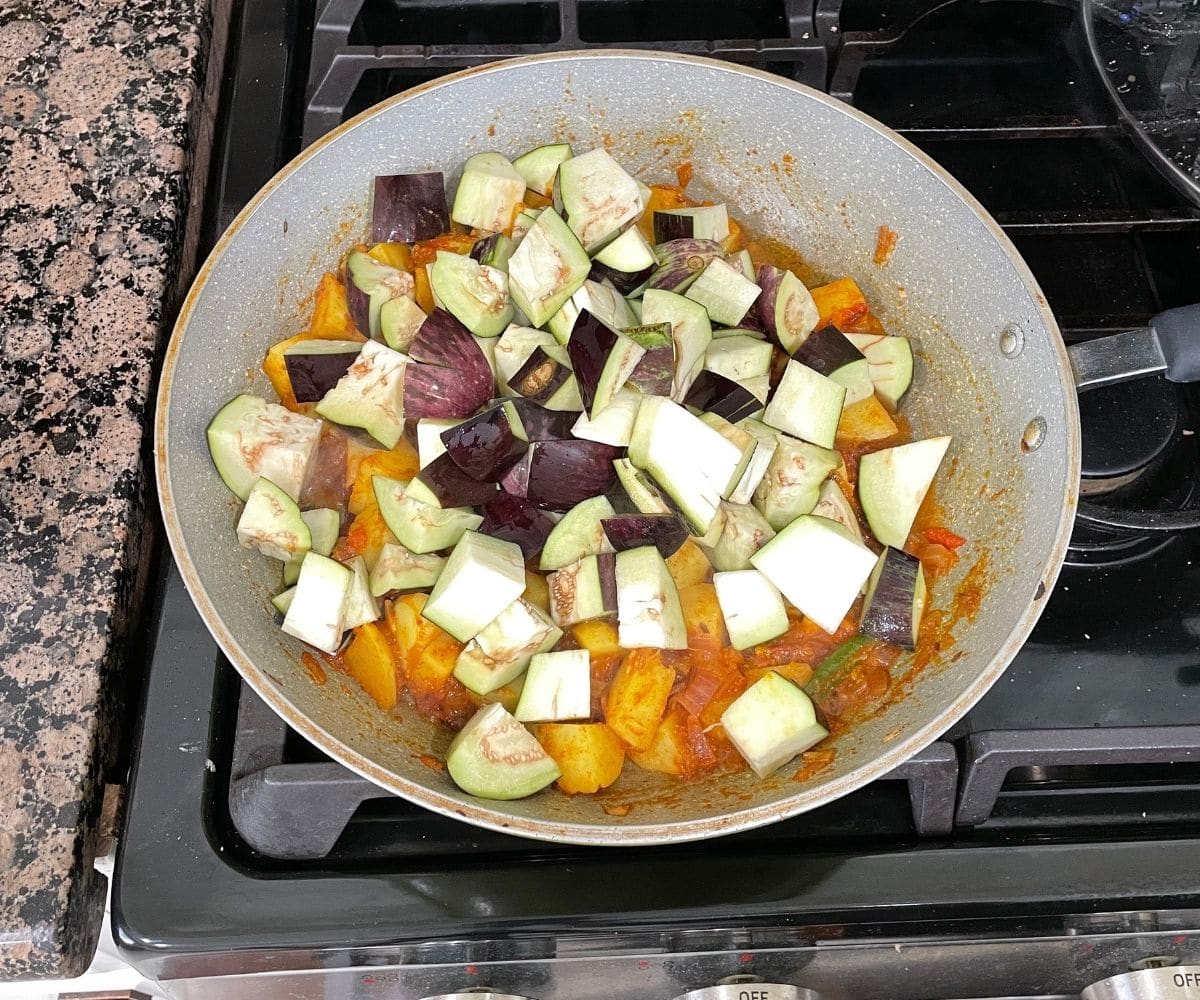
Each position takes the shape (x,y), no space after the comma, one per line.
(1050,841)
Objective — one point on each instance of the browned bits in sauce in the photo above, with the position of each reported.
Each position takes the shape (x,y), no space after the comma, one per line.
(885,245)
(431,762)
(813,762)
(313,668)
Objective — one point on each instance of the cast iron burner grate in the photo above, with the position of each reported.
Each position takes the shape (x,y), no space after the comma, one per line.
(365,49)
(298,810)
(1004,95)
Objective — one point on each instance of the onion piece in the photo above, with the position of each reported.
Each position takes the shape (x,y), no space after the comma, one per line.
(701,688)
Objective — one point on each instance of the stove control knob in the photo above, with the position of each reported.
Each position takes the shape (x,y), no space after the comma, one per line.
(1176,982)
(749,988)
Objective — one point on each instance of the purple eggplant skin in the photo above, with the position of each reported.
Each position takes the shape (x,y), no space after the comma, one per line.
(680,263)
(433,391)
(654,373)
(606,568)
(889,614)
(590,344)
(769,278)
(623,281)
(325,482)
(409,207)
(516,520)
(482,246)
(717,394)
(827,350)
(486,445)
(542,424)
(454,379)
(540,377)
(631,531)
(669,227)
(515,481)
(443,340)
(358,304)
(564,473)
(313,375)
(452,486)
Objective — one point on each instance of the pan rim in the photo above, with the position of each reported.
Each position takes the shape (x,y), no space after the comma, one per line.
(632,834)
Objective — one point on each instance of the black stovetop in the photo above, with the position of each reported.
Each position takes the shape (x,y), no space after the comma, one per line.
(1097,719)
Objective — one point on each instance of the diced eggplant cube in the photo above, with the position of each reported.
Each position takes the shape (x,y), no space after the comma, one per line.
(407,208)
(771,722)
(895,599)
(419,526)
(318,607)
(516,520)
(271,523)
(250,437)
(547,268)
(724,292)
(819,566)
(399,568)
(558,687)
(648,609)
(482,576)
(583,591)
(598,197)
(893,483)
(502,650)
(792,484)
(690,461)
(371,394)
(806,404)
(314,366)
(751,606)
(495,757)
(488,193)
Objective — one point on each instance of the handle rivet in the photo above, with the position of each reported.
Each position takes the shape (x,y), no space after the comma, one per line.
(1012,341)
(1033,435)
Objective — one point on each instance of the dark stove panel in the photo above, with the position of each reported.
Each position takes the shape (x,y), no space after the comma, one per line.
(1072,787)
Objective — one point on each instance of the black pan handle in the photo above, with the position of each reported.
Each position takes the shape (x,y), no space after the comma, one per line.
(1170,345)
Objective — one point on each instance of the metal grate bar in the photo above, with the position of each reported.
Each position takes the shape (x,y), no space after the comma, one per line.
(991,755)
(332,90)
(297,811)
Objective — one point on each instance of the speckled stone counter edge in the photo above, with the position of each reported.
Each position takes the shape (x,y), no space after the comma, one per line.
(106,121)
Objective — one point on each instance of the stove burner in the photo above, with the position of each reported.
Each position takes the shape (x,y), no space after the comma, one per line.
(1139,473)
(1125,428)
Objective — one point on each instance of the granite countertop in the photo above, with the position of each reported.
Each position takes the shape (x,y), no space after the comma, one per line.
(105,112)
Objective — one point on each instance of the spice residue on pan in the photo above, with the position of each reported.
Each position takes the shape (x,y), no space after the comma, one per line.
(313,668)
(813,762)
(430,762)
(885,245)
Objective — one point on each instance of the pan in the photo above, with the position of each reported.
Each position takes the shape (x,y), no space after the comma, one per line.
(798,166)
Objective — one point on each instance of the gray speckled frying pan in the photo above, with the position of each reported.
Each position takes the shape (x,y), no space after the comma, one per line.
(797,165)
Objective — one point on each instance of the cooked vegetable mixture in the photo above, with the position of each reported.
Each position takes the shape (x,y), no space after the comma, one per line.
(571,466)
